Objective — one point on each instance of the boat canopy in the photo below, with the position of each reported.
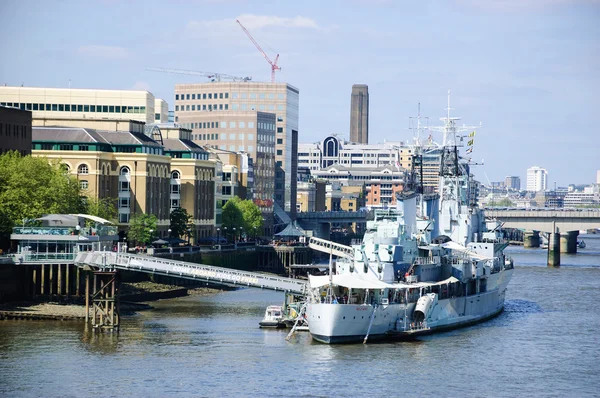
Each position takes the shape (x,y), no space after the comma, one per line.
(93,218)
(351,281)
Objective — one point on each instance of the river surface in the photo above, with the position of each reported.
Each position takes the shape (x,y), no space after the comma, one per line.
(546,343)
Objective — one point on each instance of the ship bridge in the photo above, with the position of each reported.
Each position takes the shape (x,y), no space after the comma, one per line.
(108,261)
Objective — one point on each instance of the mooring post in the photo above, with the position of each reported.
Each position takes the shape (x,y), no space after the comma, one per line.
(554,247)
(87,297)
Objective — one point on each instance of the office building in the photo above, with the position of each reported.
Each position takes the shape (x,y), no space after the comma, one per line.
(143,176)
(15,130)
(161,111)
(67,103)
(396,155)
(380,183)
(513,182)
(537,179)
(359,114)
(230,115)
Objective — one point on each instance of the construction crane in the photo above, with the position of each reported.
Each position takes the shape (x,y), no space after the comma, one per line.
(212,76)
(274,65)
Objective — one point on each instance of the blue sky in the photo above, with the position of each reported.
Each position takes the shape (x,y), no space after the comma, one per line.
(529,70)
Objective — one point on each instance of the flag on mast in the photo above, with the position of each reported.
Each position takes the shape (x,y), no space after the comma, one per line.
(470,150)
(471,142)
(472,134)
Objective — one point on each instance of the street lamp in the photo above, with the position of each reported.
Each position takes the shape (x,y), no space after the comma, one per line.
(188,234)
(241,232)
(225,232)
(234,236)
(151,231)
(218,236)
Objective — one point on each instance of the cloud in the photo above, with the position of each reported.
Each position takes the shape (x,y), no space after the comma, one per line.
(141,85)
(105,52)
(251,21)
(519,5)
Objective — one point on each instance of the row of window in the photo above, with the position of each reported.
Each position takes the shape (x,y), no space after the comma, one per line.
(187,97)
(209,107)
(270,96)
(232,125)
(203,96)
(253,107)
(45,146)
(75,107)
(17,130)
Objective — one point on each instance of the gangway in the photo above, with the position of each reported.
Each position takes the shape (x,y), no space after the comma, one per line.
(186,270)
(329,247)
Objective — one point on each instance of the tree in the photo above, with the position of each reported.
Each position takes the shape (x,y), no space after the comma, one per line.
(105,208)
(242,213)
(232,214)
(181,221)
(505,202)
(140,227)
(33,186)
(253,219)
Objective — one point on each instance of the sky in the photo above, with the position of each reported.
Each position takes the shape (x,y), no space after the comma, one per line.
(527,70)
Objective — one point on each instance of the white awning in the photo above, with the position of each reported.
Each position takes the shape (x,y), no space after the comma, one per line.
(93,218)
(351,281)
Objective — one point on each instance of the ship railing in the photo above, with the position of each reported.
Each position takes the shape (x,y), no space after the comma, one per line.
(427,260)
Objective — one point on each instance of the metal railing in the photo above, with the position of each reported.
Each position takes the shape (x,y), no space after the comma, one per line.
(66,231)
(334,248)
(154,265)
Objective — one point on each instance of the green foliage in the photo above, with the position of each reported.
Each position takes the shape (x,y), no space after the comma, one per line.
(242,213)
(181,221)
(105,208)
(506,202)
(253,220)
(232,214)
(140,227)
(31,187)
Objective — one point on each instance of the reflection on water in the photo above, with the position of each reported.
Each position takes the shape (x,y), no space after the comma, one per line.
(543,344)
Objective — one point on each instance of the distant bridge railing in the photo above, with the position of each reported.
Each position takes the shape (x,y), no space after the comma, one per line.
(332,215)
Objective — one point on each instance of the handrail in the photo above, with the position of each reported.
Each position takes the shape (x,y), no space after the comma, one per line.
(227,276)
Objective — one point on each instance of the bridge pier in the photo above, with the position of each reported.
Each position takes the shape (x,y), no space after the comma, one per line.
(568,242)
(554,248)
(531,239)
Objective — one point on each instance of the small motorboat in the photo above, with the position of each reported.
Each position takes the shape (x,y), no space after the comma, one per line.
(581,244)
(273,318)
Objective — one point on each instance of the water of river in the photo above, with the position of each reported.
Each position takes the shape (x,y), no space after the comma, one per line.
(544,344)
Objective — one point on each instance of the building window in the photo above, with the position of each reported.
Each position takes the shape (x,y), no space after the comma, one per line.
(175,175)
(176,97)
(280,129)
(124,171)
(83,184)
(174,203)
(82,169)
(226,107)
(279,141)
(66,147)
(123,217)
(176,108)
(231,125)
(124,203)
(279,152)
(250,125)
(187,96)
